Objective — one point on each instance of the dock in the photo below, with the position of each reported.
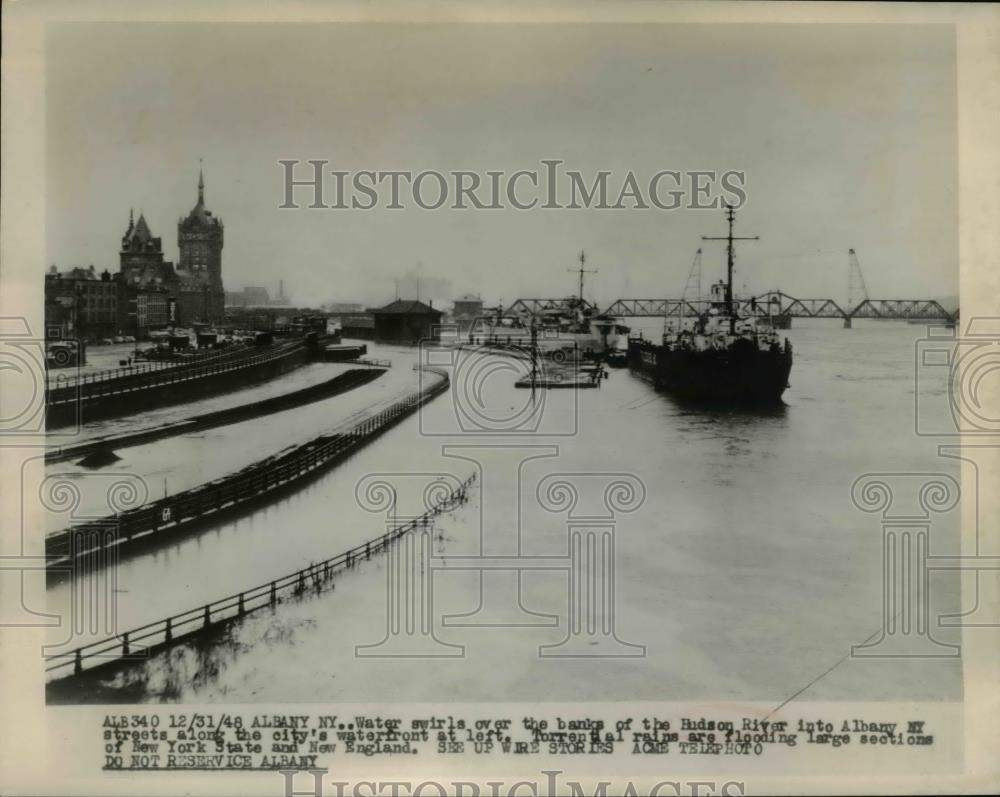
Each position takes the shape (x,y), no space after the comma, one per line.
(563,375)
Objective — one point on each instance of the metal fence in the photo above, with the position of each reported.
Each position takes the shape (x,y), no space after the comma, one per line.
(62,381)
(137,643)
(104,384)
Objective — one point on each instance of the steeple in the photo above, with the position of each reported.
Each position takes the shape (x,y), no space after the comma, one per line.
(201,187)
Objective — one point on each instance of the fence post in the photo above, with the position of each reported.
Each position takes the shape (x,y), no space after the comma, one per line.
(241,609)
(78,662)
(274,593)
(125,644)
(168,631)
(208,615)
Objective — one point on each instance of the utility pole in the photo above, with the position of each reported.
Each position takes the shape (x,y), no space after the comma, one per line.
(730,255)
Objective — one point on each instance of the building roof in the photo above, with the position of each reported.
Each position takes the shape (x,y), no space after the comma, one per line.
(75,273)
(139,231)
(406,307)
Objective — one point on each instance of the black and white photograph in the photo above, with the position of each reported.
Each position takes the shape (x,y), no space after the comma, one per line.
(546,397)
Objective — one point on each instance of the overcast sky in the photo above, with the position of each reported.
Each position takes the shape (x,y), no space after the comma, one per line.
(847,135)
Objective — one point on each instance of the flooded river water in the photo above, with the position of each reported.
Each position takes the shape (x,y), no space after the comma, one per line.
(744,570)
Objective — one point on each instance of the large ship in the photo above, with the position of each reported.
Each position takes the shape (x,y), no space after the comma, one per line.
(719,356)
(567,329)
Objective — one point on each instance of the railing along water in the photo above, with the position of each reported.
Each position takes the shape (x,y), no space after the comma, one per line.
(171,630)
(280,471)
(101,385)
(60,381)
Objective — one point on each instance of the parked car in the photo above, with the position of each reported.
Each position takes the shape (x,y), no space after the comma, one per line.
(62,355)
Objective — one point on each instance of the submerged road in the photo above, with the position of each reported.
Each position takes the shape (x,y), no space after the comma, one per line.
(104,447)
(170,465)
(305,376)
(306,526)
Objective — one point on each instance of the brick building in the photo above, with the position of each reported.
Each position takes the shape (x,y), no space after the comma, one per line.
(148,292)
(142,309)
(466,311)
(194,286)
(80,303)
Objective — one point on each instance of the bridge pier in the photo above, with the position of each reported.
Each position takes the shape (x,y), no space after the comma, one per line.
(847,322)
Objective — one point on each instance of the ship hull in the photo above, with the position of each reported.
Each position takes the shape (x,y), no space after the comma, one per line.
(738,375)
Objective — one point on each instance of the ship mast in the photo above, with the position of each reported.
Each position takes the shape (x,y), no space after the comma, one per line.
(581,271)
(730,305)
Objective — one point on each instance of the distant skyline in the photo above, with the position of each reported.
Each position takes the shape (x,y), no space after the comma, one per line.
(847,135)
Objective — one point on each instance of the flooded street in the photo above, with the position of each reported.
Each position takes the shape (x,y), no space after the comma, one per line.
(170,465)
(303,377)
(788,581)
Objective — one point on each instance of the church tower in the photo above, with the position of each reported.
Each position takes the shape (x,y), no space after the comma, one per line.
(200,240)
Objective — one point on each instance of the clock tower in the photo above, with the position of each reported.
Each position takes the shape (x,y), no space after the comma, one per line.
(200,241)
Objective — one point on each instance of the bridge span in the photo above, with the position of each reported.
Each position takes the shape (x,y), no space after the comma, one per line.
(778,304)
(775,304)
